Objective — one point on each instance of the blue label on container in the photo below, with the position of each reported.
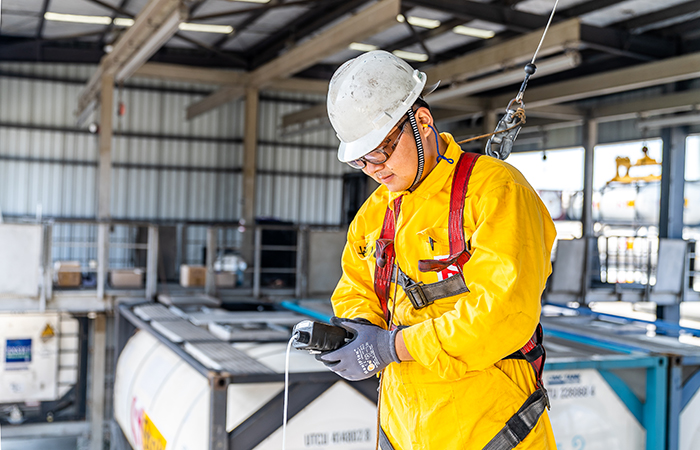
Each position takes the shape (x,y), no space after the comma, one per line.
(18,351)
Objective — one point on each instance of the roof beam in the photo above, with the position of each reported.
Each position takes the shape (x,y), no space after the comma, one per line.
(153,26)
(189,74)
(519,21)
(302,26)
(261,7)
(605,39)
(586,7)
(665,104)
(659,19)
(219,98)
(508,53)
(555,64)
(630,78)
(366,23)
(248,21)
(42,20)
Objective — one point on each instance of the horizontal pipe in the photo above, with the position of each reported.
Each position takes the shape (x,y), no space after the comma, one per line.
(660,324)
(293,306)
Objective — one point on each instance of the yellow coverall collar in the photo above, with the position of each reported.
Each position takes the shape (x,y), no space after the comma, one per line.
(435,180)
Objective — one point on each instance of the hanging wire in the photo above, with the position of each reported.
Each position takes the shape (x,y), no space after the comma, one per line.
(515,111)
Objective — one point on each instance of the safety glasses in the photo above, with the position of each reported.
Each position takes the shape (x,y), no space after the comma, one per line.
(381,154)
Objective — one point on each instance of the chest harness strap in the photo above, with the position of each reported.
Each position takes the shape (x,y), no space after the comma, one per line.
(422,295)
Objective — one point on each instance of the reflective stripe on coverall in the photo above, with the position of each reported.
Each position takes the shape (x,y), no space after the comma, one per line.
(458,393)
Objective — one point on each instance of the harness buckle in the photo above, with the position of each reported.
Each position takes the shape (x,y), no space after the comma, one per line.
(417,296)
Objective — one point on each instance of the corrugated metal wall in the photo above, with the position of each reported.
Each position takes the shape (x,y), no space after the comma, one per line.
(165,168)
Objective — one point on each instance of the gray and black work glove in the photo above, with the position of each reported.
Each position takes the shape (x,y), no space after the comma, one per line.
(369,351)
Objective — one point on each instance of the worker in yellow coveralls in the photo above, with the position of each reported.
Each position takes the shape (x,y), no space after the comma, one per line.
(469,241)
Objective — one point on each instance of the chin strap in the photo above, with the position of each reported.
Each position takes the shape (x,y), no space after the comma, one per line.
(419,148)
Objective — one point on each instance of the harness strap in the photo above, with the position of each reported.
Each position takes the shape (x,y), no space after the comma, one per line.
(384,443)
(385,255)
(519,426)
(458,247)
(422,295)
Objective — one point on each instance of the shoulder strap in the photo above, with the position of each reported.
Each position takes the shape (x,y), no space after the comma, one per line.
(458,245)
(385,257)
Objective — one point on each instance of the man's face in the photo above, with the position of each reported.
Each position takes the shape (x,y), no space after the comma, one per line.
(398,172)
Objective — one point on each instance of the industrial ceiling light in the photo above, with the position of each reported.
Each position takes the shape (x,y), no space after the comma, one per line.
(76,18)
(419,21)
(411,56)
(123,22)
(250,1)
(206,28)
(126,22)
(360,47)
(474,32)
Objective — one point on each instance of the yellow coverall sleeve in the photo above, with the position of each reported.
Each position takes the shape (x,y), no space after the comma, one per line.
(511,244)
(354,295)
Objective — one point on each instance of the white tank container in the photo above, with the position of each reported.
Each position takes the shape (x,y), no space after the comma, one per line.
(576,206)
(552,200)
(647,203)
(38,356)
(587,414)
(691,214)
(617,204)
(158,396)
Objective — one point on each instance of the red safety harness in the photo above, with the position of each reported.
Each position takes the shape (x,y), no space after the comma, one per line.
(533,352)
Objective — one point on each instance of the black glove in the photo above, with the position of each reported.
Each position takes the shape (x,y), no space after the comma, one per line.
(369,351)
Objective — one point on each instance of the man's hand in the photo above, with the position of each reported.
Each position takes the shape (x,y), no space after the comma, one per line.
(369,351)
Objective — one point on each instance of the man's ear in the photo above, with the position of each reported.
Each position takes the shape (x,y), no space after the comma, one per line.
(423,117)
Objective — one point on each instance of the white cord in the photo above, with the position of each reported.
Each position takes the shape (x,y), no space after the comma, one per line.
(286,391)
(545,31)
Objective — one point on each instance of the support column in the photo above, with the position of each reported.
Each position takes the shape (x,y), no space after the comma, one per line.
(210,279)
(672,200)
(152,263)
(672,183)
(104,180)
(250,149)
(97,388)
(104,190)
(590,139)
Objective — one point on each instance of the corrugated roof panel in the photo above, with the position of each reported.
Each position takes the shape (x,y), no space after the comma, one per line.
(426,13)
(81,7)
(276,18)
(21,5)
(176,42)
(18,24)
(244,40)
(342,56)
(544,7)
(219,6)
(390,35)
(627,10)
(61,29)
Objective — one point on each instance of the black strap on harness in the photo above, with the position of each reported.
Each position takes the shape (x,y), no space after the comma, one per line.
(422,295)
(519,426)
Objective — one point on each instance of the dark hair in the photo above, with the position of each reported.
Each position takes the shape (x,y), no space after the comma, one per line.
(421,103)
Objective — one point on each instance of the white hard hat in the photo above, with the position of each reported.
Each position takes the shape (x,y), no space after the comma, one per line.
(367,97)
